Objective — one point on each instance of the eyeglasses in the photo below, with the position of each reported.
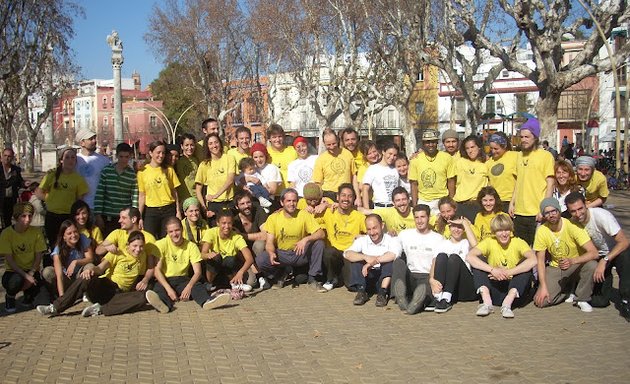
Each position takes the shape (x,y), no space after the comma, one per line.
(551,212)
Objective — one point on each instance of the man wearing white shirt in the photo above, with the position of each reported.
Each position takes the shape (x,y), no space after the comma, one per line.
(300,170)
(90,163)
(371,256)
(421,246)
(612,245)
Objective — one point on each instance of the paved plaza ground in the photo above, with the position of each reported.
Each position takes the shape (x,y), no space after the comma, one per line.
(294,335)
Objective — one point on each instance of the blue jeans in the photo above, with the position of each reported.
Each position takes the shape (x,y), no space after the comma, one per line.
(375,277)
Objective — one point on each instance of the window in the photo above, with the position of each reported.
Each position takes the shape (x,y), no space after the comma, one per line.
(391,119)
(257,137)
(420,76)
(104,102)
(490,105)
(521,102)
(460,109)
(153,121)
(623,104)
(105,122)
(112,101)
(127,123)
(419,107)
(505,73)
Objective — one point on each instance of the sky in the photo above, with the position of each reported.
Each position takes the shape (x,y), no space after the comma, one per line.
(130,19)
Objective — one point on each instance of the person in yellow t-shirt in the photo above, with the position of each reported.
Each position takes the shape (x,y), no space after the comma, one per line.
(194,226)
(22,247)
(431,173)
(59,189)
(502,267)
(488,199)
(208,126)
(369,155)
(177,256)
(450,140)
(350,141)
(534,181)
(342,226)
(157,191)
(396,218)
(243,144)
(116,286)
(280,155)
(215,174)
(82,217)
(226,254)
(471,175)
(335,167)
(593,181)
(293,239)
(115,242)
(502,168)
(186,167)
(563,241)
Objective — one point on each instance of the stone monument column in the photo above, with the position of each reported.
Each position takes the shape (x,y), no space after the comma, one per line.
(117,60)
(49,150)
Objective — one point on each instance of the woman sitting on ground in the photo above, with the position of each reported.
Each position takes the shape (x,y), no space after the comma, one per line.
(194,226)
(84,220)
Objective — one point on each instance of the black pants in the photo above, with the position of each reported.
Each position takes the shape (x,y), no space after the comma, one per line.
(455,277)
(411,280)
(154,218)
(337,268)
(178,283)
(500,289)
(602,292)
(525,228)
(13,282)
(7,211)
(223,268)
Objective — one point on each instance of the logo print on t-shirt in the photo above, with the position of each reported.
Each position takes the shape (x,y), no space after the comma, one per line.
(338,166)
(559,249)
(497,169)
(63,185)
(428,178)
(21,247)
(305,174)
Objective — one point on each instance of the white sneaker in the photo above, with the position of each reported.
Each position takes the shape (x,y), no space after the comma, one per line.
(571,299)
(92,310)
(218,301)
(46,309)
(584,306)
(265,203)
(328,286)
(484,310)
(264,284)
(507,313)
(155,301)
(85,298)
(242,287)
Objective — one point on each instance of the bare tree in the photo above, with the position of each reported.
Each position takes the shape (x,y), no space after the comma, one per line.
(209,39)
(542,25)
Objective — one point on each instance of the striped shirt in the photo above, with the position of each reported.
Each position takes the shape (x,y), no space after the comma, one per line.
(115,191)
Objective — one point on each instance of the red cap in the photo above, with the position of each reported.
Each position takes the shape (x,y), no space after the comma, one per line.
(258,147)
(299,139)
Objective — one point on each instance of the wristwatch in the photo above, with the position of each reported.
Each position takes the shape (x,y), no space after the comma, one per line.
(605,258)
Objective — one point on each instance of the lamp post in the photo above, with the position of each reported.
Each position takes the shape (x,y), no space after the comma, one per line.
(172,129)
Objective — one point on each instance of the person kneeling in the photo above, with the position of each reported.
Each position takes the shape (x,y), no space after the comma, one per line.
(502,267)
(177,255)
(122,289)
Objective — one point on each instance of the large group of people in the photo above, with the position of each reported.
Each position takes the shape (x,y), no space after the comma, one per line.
(201,221)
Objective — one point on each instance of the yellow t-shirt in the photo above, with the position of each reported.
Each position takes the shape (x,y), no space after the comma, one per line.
(359,161)
(563,244)
(197,231)
(224,247)
(186,171)
(282,159)
(301,205)
(95,234)
(431,175)
(157,184)
(342,229)
(22,246)
(289,230)
(213,174)
(70,187)
(124,269)
(119,238)
(499,256)
(482,224)
(237,155)
(361,170)
(176,259)
(532,171)
(332,171)
(596,187)
(394,221)
(502,174)
(471,177)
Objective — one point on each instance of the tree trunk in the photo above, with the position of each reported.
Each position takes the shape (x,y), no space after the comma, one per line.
(547,113)
(473,119)
(408,131)
(30,151)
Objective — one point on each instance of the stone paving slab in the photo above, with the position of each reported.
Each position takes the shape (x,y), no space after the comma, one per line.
(296,335)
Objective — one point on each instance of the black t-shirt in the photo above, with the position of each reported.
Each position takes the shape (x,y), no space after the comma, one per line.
(258,219)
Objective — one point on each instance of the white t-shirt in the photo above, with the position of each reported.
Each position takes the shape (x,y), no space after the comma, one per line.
(420,249)
(363,244)
(270,173)
(300,172)
(460,249)
(90,168)
(383,180)
(602,228)
(404,183)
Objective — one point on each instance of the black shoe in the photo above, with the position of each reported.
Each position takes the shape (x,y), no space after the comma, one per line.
(9,304)
(28,300)
(400,291)
(624,311)
(361,298)
(381,300)
(443,306)
(431,306)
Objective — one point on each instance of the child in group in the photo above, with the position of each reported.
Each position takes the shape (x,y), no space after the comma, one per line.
(490,202)
(252,181)
(402,166)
